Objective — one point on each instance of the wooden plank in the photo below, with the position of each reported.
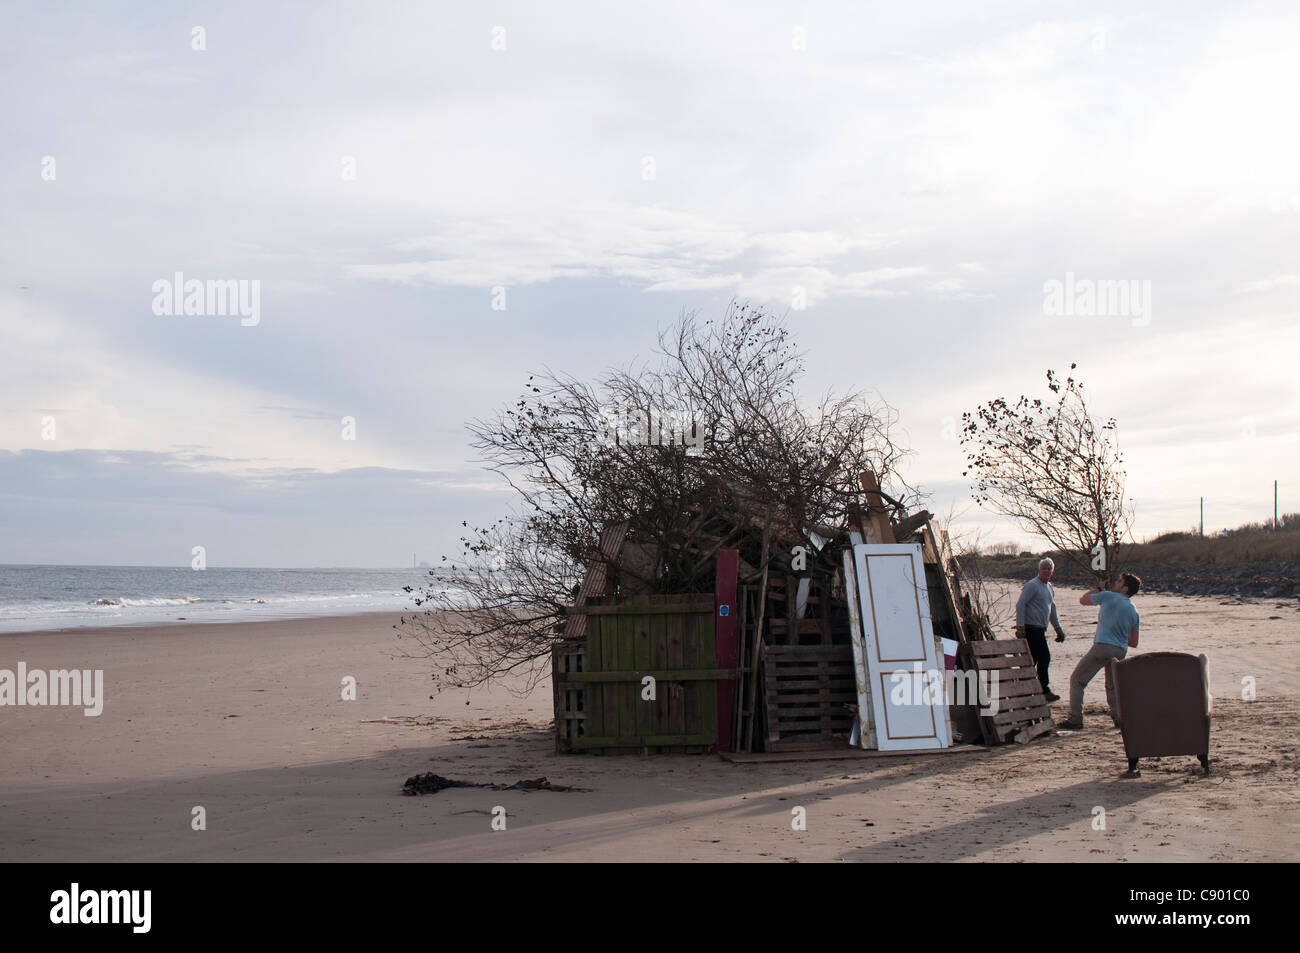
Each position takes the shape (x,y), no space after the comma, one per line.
(611,541)
(791,621)
(812,653)
(708,691)
(675,638)
(1023,712)
(1017,674)
(1020,682)
(745,596)
(1017,702)
(645,741)
(601,649)
(929,550)
(861,677)
(726,640)
(645,631)
(659,659)
(696,654)
(823,698)
(772,718)
(910,524)
(986,648)
(794,711)
(1022,717)
(785,629)
(1004,662)
(825,723)
(1016,678)
(951,586)
(814,731)
(755,654)
(629,695)
(876,528)
(1021,698)
(826,680)
(681,608)
(807,745)
(827,708)
(661,674)
(961,601)
(785,684)
(557,695)
(1026,735)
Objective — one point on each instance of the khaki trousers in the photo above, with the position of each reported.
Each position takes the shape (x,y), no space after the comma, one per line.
(1098,657)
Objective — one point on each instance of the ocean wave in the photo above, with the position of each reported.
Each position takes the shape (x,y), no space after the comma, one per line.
(57,597)
(159,601)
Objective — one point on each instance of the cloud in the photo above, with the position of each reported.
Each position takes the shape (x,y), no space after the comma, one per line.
(656,250)
(915,174)
(1273,283)
(643,244)
(135,67)
(87,507)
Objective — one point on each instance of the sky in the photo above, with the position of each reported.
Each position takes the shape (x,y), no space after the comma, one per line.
(439,199)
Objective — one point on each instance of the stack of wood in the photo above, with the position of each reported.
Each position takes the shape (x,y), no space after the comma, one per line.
(794,668)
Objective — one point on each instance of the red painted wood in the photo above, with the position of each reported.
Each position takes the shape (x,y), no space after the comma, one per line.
(726,640)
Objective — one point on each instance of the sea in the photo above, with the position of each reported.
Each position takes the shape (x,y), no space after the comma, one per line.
(61,597)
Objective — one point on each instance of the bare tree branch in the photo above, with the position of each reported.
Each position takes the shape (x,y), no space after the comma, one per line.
(692,448)
(1052,469)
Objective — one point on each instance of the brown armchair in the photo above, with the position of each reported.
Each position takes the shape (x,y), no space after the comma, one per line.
(1163,706)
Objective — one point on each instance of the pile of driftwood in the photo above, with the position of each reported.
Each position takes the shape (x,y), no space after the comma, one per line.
(794,671)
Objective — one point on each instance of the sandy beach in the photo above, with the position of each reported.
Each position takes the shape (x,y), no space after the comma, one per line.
(246,721)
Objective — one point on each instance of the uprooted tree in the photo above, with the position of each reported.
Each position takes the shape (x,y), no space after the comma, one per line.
(705,445)
(1059,474)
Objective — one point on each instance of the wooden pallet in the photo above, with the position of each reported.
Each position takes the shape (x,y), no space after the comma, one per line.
(568,656)
(807,691)
(784,625)
(1021,706)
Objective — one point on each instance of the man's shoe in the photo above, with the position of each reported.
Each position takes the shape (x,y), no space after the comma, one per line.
(1053,697)
(1070,725)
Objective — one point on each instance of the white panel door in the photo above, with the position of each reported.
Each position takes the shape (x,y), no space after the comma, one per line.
(908,699)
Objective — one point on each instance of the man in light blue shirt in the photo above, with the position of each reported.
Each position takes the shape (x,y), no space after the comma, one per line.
(1117,632)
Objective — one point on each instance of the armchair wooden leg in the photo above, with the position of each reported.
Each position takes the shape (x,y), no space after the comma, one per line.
(1205,762)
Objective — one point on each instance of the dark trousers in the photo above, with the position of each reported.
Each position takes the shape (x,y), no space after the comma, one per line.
(1036,636)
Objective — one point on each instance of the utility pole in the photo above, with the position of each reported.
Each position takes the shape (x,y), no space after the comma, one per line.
(1275,506)
(1202,516)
